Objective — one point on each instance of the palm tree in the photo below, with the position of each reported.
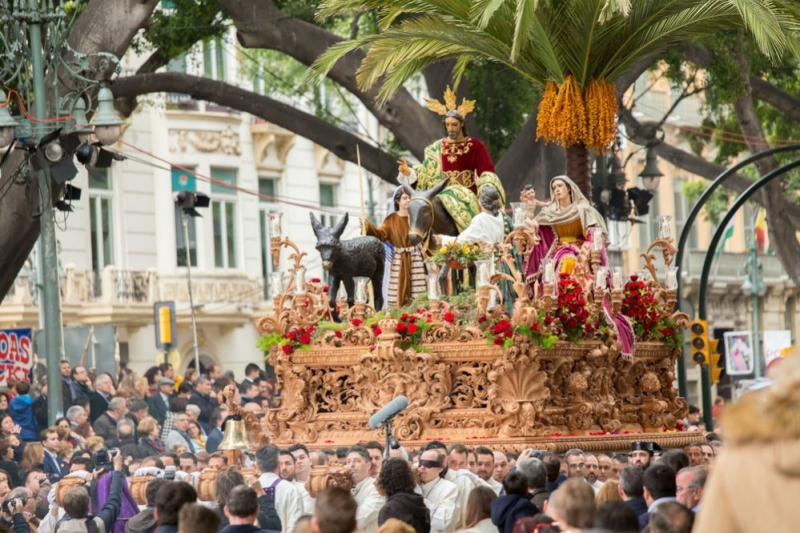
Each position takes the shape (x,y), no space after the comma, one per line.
(570,48)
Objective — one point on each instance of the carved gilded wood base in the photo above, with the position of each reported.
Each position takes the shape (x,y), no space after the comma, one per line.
(472,392)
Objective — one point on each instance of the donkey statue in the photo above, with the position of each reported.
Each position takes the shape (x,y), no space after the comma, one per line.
(344,260)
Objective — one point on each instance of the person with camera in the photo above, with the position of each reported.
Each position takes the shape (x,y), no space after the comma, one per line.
(14,511)
(76,502)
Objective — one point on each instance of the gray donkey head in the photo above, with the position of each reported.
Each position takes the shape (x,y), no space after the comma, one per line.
(328,243)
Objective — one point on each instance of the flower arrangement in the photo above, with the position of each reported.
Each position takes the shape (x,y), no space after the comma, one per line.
(640,305)
(459,255)
(571,310)
(667,331)
(501,332)
(295,339)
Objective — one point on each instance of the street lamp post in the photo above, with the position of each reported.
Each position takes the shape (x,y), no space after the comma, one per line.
(50,143)
(754,286)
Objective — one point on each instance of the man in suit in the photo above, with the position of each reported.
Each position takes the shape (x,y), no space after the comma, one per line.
(631,489)
(81,383)
(54,466)
(106,424)
(251,373)
(215,435)
(159,402)
(104,390)
(659,487)
(201,397)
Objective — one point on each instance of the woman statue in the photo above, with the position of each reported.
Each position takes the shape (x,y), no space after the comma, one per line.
(565,239)
(406,270)
(563,230)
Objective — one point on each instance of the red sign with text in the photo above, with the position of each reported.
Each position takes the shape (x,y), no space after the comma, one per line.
(16,354)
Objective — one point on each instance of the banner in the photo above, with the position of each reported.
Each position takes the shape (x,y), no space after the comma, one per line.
(738,353)
(16,354)
(774,342)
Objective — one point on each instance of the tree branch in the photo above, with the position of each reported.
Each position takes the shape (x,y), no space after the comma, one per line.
(338,141)
(260,24)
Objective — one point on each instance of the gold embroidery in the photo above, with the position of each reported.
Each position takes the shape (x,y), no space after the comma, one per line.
(461,177)
(453,150)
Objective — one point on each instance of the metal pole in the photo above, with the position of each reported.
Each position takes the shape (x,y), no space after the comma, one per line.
(702,304)
(687,228)
(185,218)
(755,299)
(47,237)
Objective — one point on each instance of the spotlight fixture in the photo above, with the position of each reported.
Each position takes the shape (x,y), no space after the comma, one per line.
(71,194)
(190,200)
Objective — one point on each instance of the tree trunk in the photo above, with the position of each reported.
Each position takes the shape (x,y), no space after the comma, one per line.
(578,168)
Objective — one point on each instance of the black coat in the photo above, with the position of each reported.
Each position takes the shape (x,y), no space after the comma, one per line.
(207,404)
(407,507)
(98,405)
(509,508)
(638,505)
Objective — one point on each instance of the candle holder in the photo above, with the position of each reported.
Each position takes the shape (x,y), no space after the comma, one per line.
(672,278)
(665,227)
(616,280)
(362,290)
(597,239)
(299,277)
(483,273)
(518,214)
(276,284)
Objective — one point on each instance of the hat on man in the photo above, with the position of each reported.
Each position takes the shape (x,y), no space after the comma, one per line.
(166,381)
(646,446)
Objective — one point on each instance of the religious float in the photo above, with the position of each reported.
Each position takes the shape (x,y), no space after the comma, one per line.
(548,372)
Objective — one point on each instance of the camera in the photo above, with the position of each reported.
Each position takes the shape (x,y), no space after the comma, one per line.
(103,460)
(10,506)
(169,472)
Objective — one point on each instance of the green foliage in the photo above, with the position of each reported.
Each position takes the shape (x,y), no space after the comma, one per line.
(503,102)
(176,29)
(717,204)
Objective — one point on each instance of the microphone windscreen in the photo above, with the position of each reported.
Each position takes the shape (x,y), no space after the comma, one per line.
(388,411)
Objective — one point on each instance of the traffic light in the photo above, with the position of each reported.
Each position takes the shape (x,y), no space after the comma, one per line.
(714,356)
(164,318)
(699,331)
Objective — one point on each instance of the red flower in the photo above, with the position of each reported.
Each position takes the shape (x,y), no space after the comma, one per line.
(372,348)
(401,327)
(315,280)
(413,318)
(292,335)
(481,319)
(411,329)
(548,320)
(404,316)
(498,340)
(377,330)
(356,322)
(305,338)
(325,288)
(337,334)
(287,349)
(449,317)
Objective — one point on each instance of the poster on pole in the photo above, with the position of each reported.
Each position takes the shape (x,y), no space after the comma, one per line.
(774,342)
(16,354)
(738,353)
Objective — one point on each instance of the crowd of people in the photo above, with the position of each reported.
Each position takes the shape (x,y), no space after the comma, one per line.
(171,428)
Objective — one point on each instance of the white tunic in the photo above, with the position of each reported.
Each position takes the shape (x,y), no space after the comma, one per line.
(288,500)
(465,481)
(484,228)
(369,505)
(495,485)
(308,501)
(441,498)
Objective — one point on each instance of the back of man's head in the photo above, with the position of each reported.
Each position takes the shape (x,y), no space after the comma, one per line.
(152,489)
(194,518)
(76,503)
(169,500)
(573,503)
(659,480)
(267,458)
(553,466)
(671,517)
(675,458)
(535,471)
(631,481)
(515,483)
(335,511)
(616,516)
(242,502)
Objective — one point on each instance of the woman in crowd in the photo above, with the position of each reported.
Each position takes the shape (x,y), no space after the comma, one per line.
(94,443)
(10,432)
(84,430)
(3,403)
(149,441)
(609,492)
(32,457)
(479,511)
(397,483)
(190,376)
(196,434)
(152,375)
(572,505)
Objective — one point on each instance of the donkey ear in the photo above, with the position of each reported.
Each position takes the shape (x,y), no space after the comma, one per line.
(338,229)
(436,189)
(408,190)
(315,224)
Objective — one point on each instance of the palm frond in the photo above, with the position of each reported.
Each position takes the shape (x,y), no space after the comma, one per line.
(767,24)
(525,16)
(484,10)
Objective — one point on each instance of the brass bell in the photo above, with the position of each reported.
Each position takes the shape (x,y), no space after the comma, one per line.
(235,437)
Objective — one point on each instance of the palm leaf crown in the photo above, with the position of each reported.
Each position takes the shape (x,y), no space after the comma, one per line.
(545,40)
